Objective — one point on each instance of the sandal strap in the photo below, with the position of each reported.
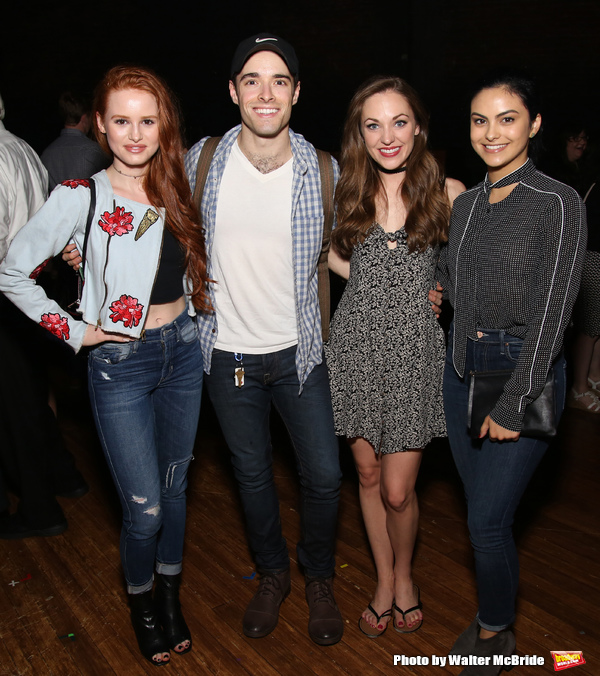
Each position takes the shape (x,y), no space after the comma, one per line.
(386,613)
(594,406)
(419,606)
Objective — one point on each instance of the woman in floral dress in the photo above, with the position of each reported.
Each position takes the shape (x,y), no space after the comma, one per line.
(386,351)
(145,272)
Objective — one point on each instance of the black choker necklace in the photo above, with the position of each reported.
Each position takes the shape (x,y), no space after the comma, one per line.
(128,175)
(383,170)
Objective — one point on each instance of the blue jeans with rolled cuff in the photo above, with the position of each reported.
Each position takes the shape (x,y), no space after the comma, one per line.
(494,474)
(145,397)
(243,413)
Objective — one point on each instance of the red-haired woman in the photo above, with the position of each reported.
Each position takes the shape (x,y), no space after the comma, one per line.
(386,352)
(145,272)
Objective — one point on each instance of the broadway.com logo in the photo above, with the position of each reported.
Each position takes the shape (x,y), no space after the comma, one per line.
(565,660)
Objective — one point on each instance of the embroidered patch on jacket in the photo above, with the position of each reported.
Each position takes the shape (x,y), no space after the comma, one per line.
(126,310)
(75,182)
(118,223)
(35,274)
(150,217)
(57,325)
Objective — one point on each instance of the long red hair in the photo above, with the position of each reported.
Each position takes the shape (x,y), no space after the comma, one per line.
(422,191)
(166,184)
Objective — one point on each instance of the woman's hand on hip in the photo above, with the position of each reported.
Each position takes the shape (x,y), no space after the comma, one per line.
(95,336)
(497,432)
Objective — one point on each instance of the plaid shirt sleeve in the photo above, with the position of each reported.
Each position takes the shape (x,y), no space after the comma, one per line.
(307,237)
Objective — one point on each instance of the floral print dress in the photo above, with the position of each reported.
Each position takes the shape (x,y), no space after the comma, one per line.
(386,351)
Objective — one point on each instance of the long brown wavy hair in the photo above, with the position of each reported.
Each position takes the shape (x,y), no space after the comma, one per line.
(422,191)
(166,184)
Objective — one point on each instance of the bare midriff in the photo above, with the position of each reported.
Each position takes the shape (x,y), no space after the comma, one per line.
(158,315)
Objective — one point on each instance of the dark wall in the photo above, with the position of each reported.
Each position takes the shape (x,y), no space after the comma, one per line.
(440,46)
(557,42)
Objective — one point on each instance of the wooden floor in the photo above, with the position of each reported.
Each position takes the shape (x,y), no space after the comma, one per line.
(67,612)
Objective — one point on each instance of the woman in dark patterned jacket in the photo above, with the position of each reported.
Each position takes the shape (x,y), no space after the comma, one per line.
(511,269)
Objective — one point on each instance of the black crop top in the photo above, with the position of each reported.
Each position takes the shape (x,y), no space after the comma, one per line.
(168,285)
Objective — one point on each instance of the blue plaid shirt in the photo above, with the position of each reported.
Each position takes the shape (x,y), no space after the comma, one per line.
(307,239)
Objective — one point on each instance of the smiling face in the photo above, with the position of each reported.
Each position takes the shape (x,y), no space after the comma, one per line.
(388,127)
(131,127)
(501,128)
(265,93)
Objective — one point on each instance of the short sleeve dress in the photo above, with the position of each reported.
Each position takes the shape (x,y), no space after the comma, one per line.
(386,349)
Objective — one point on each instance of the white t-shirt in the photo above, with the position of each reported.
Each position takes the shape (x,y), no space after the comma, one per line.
(252,258)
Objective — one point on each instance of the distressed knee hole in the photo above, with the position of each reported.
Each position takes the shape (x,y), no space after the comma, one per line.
(139,500)
(153,511)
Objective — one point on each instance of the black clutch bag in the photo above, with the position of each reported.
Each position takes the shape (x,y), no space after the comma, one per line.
(486,387)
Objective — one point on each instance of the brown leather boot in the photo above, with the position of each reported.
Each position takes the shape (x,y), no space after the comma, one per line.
(325,624)
(262,614)
(502,644)
(465,643)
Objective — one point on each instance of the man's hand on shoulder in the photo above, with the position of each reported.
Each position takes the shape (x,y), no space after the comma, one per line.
(71,255)
(435,298)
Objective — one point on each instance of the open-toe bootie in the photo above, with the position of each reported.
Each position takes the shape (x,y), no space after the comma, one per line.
(150,637)
(169,612)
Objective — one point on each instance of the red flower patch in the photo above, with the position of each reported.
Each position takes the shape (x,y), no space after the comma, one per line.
(57,325)
(36,273)
(126,310)
(74,182)
(118,223)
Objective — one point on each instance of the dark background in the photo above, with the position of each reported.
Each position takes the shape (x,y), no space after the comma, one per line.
(440,47)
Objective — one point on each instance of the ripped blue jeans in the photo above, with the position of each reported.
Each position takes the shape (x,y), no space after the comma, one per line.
(145,397)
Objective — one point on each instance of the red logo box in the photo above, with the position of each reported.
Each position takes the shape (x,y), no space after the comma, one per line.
(564,659)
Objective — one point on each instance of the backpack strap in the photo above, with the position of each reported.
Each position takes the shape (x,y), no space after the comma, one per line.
(88,226)
(327,189)
(206,155)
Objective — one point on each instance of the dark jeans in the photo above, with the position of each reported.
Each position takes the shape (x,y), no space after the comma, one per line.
(243,414)
(495,476)
(145,396)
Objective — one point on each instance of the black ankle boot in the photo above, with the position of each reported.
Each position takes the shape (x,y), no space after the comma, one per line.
(144,619)
(169,611)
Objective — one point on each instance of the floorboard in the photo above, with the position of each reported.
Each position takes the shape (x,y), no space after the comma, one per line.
(72,583)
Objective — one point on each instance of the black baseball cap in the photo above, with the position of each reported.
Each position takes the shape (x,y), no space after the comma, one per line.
(260,43)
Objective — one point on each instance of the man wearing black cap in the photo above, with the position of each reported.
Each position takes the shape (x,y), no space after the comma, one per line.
(263,216)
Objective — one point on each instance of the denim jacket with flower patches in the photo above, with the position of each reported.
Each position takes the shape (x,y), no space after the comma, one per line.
(123,253)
